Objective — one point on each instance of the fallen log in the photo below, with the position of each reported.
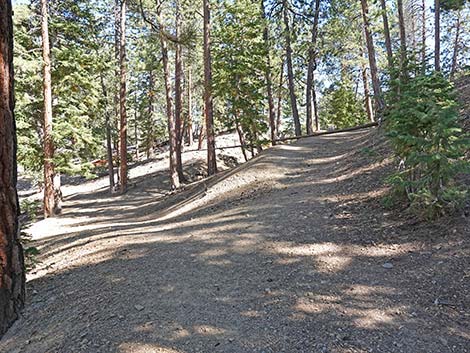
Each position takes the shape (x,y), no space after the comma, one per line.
(320,133)
(354,128)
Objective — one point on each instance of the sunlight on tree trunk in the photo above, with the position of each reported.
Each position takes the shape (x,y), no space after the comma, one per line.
(208,103)
(12,278)
(52,194)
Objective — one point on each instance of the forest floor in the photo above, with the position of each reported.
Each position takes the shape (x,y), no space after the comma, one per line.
(289,252)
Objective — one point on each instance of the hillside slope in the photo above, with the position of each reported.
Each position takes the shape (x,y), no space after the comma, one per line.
(290,252)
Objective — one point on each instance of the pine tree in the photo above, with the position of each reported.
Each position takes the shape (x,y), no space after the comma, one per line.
(52,194)
(208,103)
(12,279)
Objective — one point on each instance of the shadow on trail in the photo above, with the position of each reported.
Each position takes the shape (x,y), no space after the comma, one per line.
(289,266)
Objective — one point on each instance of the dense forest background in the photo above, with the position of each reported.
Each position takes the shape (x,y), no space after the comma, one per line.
(127,77)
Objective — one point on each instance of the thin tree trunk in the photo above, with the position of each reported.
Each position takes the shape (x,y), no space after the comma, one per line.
(200,138)
(136,129)
(272,114)
(290,71)
(208,103)
(315,105)
(423,38)
(241,137)
(52,195)
(178,95)
(12,277)
(367,100)
(437,35)
(372,60)
(310,87)
(190,106)
(388,41)
(403,50)
(117,53)
(455,55)
(150,113)
(279,100)
(122,100)
(109,146)
(174,179)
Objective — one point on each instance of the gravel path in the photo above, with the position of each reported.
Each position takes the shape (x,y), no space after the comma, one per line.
(290,252)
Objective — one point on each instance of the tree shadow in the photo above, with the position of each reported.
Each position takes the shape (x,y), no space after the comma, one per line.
(285,262)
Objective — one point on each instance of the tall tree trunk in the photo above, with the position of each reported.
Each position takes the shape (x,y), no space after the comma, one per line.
(455,55)
(12,278)
(423,37)
(136,129)
(279,100)
(122,100)
(208,103)
(150,113)
(310,87)
(178,94)
(190,106)
(109,156)
(388,41)
(403,50)
(117,53)
(290,71)
(269,87)
(437,35)
(173,138)
(372,60)
(109,146)
(52,195)
(367,100)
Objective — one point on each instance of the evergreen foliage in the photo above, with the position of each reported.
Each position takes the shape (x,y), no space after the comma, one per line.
(342,108)
(422,124)
(239,66)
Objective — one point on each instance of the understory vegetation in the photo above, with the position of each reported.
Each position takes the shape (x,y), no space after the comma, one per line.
(268,70)
(423,126)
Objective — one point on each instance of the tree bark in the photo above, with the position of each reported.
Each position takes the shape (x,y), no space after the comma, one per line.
(372,59)
(109,146)
(269,88)
(200,137)
(367,100)
(117,53)
(136,128)
(437,35)
(190,106)
(52,195)
(290,71)
(178,94)
(310,87)
(208,103)
(388,41)
(240,136)
(150,113)
(455,54)
(12,277)
(122,100)
(401,24)
(173,138)
(423,37)
(279,100)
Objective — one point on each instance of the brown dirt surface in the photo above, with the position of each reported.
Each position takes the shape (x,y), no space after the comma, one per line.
(290,252)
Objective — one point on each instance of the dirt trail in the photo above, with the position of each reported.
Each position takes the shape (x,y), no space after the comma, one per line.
(285,254)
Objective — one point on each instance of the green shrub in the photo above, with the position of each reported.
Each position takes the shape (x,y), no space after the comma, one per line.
(422,124)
